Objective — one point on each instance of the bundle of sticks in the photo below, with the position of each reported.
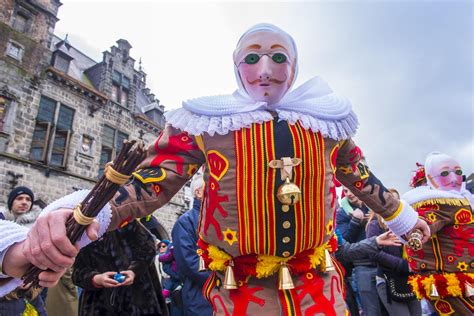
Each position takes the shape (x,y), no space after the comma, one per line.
(116,174)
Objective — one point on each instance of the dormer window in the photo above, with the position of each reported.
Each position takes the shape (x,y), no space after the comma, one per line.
(61,61)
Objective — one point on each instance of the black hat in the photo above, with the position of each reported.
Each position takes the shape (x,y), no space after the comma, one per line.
(18,191)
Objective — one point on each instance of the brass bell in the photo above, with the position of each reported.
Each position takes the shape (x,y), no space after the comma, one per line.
(285,282)
(434,291)
(469,290)
(289,193)
(328,265)
(229,279)
(202,264)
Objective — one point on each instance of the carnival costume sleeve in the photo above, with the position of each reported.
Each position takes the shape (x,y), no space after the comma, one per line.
(357,177)
(171,161)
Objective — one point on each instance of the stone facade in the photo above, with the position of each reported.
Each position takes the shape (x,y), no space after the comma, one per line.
(62,114)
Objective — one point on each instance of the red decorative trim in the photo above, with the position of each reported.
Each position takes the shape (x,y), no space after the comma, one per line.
(245,265)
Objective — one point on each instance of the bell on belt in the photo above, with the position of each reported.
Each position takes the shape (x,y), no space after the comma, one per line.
(328,265)
(469,290)
(285,282)
(202,264)
(229,279)
(288,193)
(434,291)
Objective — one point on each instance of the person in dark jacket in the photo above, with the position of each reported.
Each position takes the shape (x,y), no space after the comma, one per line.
(185,241)
(347,252)
(351,220)
(22,211)
(391,264)
(129,250)
(351,217)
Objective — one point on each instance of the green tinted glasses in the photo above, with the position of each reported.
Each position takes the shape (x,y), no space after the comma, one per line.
(253,58)
(446,172)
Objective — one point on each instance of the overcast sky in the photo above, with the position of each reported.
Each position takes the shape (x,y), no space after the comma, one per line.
(407,66)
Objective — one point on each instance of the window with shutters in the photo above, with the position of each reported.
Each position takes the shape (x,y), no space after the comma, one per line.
(120,88)
(112,142)
(52,134)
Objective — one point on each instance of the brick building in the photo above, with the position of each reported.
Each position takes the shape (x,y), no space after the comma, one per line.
(64,115)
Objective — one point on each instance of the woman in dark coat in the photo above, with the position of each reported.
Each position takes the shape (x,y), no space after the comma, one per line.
(129,250)
(392,265)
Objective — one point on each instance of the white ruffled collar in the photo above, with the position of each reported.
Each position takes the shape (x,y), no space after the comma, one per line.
(426,193)
(313,104)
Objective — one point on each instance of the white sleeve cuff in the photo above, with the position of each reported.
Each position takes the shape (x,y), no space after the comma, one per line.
(70,201)
(404,220)
(9,286)
(10,233)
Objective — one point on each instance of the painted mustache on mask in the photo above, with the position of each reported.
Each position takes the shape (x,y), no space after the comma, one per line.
(258,80)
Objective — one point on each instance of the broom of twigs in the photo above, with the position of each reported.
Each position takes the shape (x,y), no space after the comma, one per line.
(125,163)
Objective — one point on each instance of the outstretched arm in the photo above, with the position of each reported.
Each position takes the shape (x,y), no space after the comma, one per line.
(170,162)
(357,177)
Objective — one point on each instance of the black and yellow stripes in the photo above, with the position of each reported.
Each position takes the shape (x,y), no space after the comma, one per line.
(438,256)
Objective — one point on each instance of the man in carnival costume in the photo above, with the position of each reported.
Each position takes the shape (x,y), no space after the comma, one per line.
(444,265)
(271,158)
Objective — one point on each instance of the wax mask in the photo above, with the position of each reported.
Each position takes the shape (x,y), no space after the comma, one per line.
(445,174)
(265,66)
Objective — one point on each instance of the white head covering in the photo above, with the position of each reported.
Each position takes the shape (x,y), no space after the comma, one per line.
(434,159)
(313,103)
(430,191)
(263,27)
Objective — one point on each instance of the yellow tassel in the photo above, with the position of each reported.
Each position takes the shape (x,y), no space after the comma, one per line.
(414,285)
(317,257)
(427,282)
(30,310)
(454,286)
(285,282)
(229,280)
(219,258)
(268,265)
(455,202)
